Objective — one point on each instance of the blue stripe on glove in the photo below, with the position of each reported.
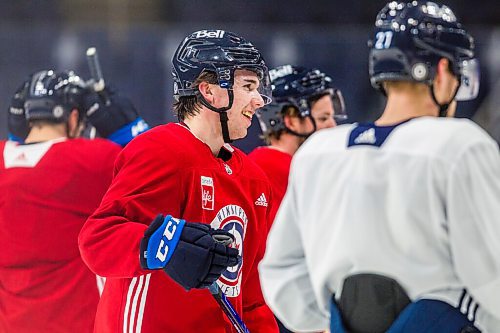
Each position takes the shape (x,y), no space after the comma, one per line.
(160,241)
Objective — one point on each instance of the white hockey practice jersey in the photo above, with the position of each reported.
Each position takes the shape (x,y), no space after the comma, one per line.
(418,202)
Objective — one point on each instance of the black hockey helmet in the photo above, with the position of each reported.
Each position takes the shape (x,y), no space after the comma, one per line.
(411,37)
(297,86)
(220,52)
(52,96)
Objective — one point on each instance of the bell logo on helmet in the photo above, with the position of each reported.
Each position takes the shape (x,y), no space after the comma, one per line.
(209,34)
(280,72)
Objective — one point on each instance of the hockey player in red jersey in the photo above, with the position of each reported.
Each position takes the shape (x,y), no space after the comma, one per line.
(180,172)
(49,186)
(304,100)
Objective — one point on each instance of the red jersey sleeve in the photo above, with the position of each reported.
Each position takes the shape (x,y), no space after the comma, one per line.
(141,182)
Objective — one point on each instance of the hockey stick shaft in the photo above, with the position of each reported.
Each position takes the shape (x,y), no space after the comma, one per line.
(228,309)
(221,298)
(95,69)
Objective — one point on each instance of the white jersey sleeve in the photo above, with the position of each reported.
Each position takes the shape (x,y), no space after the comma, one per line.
(473,226)
(284,274)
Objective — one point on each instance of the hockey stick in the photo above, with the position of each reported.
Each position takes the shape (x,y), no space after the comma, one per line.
(221,298)
(95,70)
(228,309)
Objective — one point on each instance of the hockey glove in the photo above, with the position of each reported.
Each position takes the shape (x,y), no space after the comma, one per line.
(16,120)
(188,252)
(113,116)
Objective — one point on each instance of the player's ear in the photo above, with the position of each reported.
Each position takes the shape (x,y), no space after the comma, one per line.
(74,124)
(291,122)
(442,70)
(206,91)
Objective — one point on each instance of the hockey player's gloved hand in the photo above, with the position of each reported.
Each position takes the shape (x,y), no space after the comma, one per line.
(187,252)
(16,120)
(113,116)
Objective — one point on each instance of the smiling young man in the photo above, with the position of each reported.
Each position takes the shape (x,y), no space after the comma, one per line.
(187,171)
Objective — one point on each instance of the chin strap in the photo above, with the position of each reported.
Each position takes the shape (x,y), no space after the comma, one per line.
(225,128)
(222,113)
(443,108)
(301,135)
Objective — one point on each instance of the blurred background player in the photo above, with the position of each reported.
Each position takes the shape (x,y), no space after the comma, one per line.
(304,101)
(187,171)
(50,185)
(398,219)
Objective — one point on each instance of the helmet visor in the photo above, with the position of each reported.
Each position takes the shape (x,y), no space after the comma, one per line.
(264,89)
(469,80)
(338,105)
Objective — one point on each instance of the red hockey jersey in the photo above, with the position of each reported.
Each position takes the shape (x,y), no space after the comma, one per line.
(276,165)
(168,170)
(47,191)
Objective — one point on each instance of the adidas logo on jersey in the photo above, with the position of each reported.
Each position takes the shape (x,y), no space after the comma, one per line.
(367,136)
(261,201)
(21,157)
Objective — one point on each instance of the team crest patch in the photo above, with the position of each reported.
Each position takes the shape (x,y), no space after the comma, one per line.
(207,193)
(233,219)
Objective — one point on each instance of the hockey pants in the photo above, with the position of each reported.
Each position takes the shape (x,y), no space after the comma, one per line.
(423,316)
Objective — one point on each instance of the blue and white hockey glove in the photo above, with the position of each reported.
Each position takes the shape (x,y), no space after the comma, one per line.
(113,116)
(188,252)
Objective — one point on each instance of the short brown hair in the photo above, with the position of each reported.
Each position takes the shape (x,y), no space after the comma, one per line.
(190,105)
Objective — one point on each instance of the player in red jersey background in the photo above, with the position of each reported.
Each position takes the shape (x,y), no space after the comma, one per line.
(49,185)
(304,101)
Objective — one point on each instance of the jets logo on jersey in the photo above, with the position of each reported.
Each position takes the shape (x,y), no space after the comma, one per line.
(207,193)
(367,136)
(261,201)
(233,219)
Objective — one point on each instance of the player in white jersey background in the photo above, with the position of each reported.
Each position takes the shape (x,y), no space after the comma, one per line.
(397,220)
(304,101)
